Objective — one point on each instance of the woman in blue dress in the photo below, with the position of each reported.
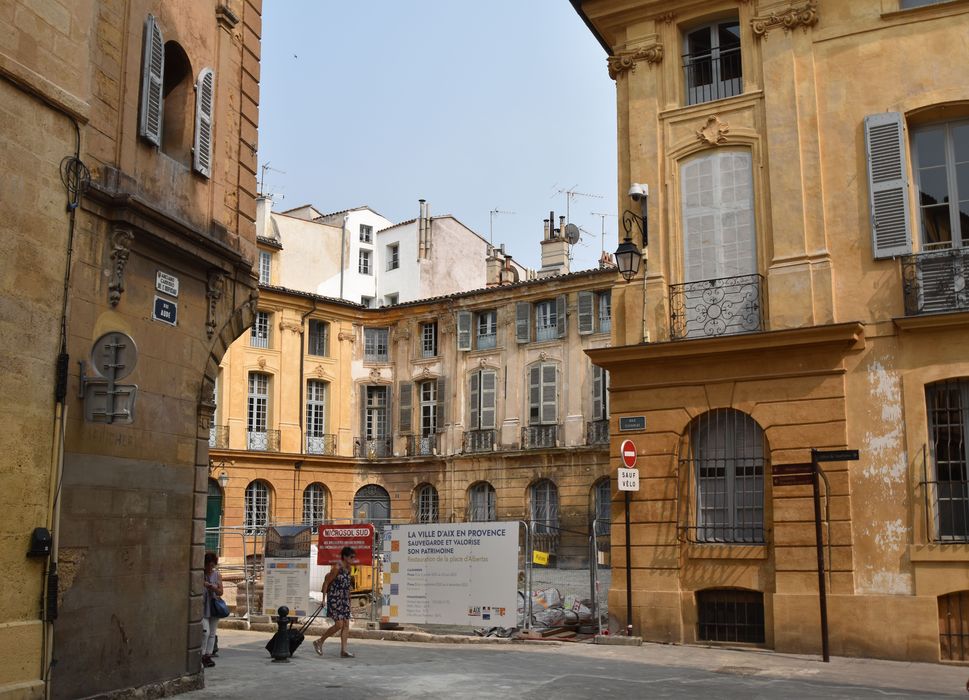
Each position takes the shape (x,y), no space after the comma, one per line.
(336,588)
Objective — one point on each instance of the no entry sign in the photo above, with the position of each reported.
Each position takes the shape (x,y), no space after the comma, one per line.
(333,538)
(627,451)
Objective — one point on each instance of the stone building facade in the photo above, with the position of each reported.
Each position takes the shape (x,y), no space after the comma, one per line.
(129,134)
(805,288)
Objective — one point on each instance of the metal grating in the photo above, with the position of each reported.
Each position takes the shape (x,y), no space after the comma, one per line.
(726,615)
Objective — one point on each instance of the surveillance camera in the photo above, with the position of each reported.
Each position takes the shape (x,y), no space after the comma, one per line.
(638,191)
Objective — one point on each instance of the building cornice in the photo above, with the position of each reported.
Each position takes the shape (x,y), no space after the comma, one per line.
(955,319)
(804,15)
(625,61)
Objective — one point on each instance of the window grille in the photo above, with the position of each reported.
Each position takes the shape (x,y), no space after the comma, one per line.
(375,344)
(712,63)
(947,490)
(725,615)
(259,335)
(429,339)
(314,504)
(545,508)
(427,504)
(319,338)
(482,503)
(265,267)
(257,506)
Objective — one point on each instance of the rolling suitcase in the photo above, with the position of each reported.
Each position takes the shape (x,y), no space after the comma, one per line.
(296,636)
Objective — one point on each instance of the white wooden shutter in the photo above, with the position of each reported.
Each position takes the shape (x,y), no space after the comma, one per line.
(475,399)
(937,275)
(887,185)
(204,100)
(406,406)
(464,330)
(152,81)
(535,395)
(597,393)
(523,322)
(363,417)
(586,313)
(549,395)
(489,399)
(441,404)
(561,308)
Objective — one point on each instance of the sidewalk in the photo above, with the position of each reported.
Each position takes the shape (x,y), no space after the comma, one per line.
(385,669)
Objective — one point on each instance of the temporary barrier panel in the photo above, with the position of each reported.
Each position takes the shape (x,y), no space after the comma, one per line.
(333,538)
(453,574)
(287,582)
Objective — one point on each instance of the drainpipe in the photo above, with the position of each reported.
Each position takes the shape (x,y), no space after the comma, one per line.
(343,252)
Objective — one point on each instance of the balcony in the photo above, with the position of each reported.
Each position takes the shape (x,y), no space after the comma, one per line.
(219,437)
(935,282)
(480,440)
(486,341)
(321,444)
(713,77)
(597,432)
(375,448)
(711,308)
(536,437)
(421,446)
(262,441)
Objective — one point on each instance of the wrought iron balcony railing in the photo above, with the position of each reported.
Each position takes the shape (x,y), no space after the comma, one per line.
(936,281)
(711,308)
(321,444)
(480,440)
(219,437)
(375,448)
(540,436)
(263,441)
(597,432)
(711,78)
(421,445)
(486,341)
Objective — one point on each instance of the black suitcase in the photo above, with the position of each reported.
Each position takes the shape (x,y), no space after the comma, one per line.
(296,636)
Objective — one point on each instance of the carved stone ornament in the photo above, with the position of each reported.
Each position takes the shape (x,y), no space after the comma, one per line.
(803,15)
(714,132)
(214,286)
(375,375)
(291,326)
(543,356)
(484,362)
(319,371)
(120,250)
(426,372)
(261,362)
(347,337)
(669,17)
(626,60)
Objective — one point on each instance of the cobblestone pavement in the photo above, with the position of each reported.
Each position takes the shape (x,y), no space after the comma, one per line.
(564,672)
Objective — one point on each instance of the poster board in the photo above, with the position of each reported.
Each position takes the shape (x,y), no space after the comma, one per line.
(333,538)
(287,582)
(451,574)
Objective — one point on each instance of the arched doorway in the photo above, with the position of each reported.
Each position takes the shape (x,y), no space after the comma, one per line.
(213,518)
(372,505)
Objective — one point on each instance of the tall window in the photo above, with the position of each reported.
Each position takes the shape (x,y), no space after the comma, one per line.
(727,453)
(542,394)
(546,321)
(257,420)
(265,267)
(314,504)
(375,344)
(483,385)
(376,418)
(482,503)
(427,504)
(602,497)
(941,163)
(544,498)
(393,256)
(259,335)
(948,407)
(364,267)
(257,506)
(366,233)
(486,330)
(604,309)
(712,62)
(718,216)
(429,339)
(318,338)
(316,394)
(428,397)
(600,394)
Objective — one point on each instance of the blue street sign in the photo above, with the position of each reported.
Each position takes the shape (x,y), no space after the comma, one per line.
(165,311)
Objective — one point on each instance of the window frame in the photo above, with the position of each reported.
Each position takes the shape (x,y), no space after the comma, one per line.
(954,199)
(314,503)
(428,504)
(365,262)
(265,267)
(543,495)
(490,319)
(377,413)
(478,491)
(257,403)
(257,506)
(260,334)
(427,401)
(393,256)
(318,340)
(375,338)
(717,88)
(366,233)
(949,491)
(546,321)
(603,299)
(317,405)
(429,339)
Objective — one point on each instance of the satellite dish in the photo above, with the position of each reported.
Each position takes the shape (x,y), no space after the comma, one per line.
(572,234)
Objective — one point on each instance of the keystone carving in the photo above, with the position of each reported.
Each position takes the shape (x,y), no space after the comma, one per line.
(375,375)
(626,60)
(319,371)
(347,337)
(714,132)
(213,292)
(120,250)
(804,15)
(261,362)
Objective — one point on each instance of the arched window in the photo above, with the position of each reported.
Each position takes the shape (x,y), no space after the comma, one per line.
(178,112)
(726,459)
(372,505)
(602,507)
(427,504)
(482,503)
(257,506)
(314,504)
(544,499)
(948,490)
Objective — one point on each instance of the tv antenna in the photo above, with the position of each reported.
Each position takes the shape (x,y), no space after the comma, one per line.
(262,176)
(491,223)
(603,217)
(570,194)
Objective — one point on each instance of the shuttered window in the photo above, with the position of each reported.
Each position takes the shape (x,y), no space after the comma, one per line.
(595,312)
(464,330)
(204,101)
(542,394)
(406,398)
(152,83)
(940,155)
(586,313)
(483,399)
(887,185)
(600,409)
(523,322)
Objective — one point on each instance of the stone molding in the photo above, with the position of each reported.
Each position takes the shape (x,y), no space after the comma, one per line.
(804,15)
(121,239)
(213,292)
(714,132)
(626,60)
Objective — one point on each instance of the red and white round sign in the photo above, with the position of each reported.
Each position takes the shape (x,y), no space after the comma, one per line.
(627,451)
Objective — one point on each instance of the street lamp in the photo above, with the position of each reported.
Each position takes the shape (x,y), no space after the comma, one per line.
(628,254)
(223,479)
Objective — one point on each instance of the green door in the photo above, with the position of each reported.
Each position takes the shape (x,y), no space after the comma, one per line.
(213,517)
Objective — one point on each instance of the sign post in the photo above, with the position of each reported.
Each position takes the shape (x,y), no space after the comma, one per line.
(628,482)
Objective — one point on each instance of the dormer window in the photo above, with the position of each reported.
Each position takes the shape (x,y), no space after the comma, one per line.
(712,63)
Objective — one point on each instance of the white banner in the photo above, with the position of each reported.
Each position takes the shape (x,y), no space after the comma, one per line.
(451,574)
(287,582)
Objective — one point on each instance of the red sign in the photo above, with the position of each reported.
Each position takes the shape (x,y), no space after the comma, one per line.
(628,453)
(333,538)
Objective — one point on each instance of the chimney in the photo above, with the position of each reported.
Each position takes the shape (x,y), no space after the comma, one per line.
(424,231)
(264,207)
(493,266)
(555,249)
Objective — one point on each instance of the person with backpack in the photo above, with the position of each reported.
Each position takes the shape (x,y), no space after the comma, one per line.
(336,587)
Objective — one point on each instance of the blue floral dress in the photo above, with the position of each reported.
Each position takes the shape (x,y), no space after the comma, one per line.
(338,595)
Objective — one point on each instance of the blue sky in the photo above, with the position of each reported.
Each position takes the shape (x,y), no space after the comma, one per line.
(473,106)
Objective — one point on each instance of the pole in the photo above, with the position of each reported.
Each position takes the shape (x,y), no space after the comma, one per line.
(822,590)
(629,575)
